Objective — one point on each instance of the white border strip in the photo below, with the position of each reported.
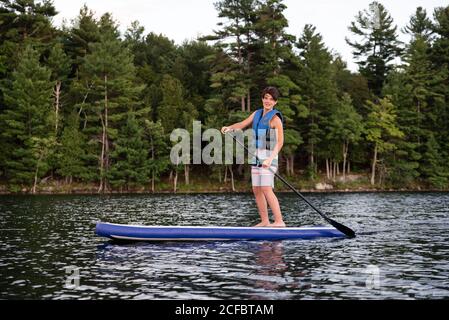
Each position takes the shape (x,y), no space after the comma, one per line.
(173,239)
(213,227)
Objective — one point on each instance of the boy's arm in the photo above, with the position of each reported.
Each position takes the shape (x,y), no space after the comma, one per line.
(239,125)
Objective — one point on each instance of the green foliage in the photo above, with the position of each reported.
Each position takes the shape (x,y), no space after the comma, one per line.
(130,166)
(292,141)
(434,167)
(345,127)
(175,111)
(158,155)
(378,46)
(318,92)
(72,157)
(25,122)
(89,104)
(381,126)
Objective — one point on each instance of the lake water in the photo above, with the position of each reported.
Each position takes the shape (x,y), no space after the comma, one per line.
(49,249)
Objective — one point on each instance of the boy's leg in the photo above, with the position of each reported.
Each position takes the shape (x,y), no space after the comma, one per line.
(274,205)
(262,206)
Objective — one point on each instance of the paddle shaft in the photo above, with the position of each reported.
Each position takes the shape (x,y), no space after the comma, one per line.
(337,225)
(281,178)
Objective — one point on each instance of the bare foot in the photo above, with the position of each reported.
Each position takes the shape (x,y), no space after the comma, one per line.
(277,225)
(262,224)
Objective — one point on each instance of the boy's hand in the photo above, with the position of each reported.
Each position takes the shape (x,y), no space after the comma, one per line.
(225,129)
(267,163)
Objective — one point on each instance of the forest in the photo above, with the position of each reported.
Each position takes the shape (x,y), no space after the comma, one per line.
(87,108)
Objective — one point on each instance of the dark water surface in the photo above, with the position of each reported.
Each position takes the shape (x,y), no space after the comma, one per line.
(49,249)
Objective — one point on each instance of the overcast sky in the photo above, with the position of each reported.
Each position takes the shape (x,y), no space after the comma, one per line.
(187,19)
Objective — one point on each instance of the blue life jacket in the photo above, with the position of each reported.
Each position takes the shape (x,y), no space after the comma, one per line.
(261,129)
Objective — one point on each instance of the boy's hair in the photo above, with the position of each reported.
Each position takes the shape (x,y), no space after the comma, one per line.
(272,91)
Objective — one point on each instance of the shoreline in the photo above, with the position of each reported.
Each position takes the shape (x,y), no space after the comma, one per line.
(355,183)
(228,191)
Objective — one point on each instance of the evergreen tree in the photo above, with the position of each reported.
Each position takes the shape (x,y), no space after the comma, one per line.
(403,161)
(381,47)
(434,167)
(158,160)
(196,73)
(410,90)
(59,64)
(273,43)
(129,159)
(439,57)
(83,32)
(318,92)
(273,55)
(24,21)
(72,157)
(236,38)
(420,26)
(154,58)
(173,108)
(26,122)
(108,83)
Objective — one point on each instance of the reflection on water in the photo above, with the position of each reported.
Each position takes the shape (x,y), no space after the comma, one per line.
(49,250)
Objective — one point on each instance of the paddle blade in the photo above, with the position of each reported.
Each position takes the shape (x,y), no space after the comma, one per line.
(342,228)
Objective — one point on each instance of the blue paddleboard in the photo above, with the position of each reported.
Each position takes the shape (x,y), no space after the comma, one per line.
(199,233)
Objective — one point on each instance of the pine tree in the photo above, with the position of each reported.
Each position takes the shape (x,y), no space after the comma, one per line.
(420,26)
(154,57)
(274,53)
(129,159)
(439,57)
(158,159)
(410,90)
(318,93)
(59,64)
(24,21)
(72,157)
(195,78)
(274,44)
(26,122)
(83,32)
(381,47)
(434,167)
(237,38)
(108,83)
(403,161)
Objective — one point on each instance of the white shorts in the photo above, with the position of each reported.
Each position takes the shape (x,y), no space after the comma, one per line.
(262,177)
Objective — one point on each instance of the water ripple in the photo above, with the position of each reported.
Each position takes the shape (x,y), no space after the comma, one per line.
(49,249)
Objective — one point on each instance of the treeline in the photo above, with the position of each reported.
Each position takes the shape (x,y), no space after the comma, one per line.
(85,103)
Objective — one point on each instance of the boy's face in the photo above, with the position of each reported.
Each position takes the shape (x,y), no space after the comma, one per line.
(268,101)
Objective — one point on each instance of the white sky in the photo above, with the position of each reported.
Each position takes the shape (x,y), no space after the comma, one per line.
(187,19)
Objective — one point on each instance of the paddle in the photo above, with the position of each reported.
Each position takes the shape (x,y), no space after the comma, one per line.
(342,228)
